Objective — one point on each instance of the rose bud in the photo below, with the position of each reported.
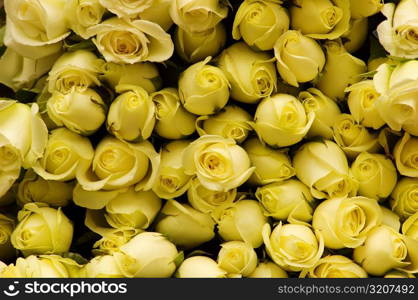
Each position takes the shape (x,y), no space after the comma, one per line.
(230,122)
(363,9)
(281,120)
(406,153)
(132,114)
(386,249)
(299,58)
(171,180)
(203,89)
(362,101)
(268,270)
(147,255)
(410,226)
(125,41)
(355,37)
(196,46)
(200,267)
(397,34)
(185,226)
(334,266)
(233,224)
(323,167)
(103,266)
(354,138)
(7,251)
(173,121)
(257,76)
(83,14)
(271,165)
(346,222)
(293,247)
(341,70)
(398,274)
(237,258)
(404,198)
(198,15)
(375,174)
(158,12)
(288,200)
(260,23)
(42,230)
(219,163)
(83,112)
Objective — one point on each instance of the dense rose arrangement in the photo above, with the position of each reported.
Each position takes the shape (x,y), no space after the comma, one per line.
(196,138)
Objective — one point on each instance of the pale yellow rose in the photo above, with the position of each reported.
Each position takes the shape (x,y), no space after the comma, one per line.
(219,163)
(260,23)
(126,9)
(103,266)
(335,266)
(7,251)
(200,267)
(158,12)
(252,75)
(268,270)
(356,36)
(404,198)
(299,58)
(406,155)
(365,8)
(83,14)
(237,258)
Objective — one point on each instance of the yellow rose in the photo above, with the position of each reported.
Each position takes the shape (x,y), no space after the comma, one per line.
(126,9)
(82,112)
(196,46)
(83,14)
(200,267)
(171,180)
(104,266)
(386,249)
(203,89)
(260,23)
(198,15)
(293,247)
(355,37)
(341,69)
(233,223)
(288,200)
(185,226)
(271,165)
(268,270)
(252,75)
(404,198)
(375,174)
(328,19)
(219,163)
(158,12)
(346,222)
(173,121)
(34,188)
(410,226)
(237,258)
(323,167)
(281,120)
(391,219)
(335,266)
(124,41)
(406,155)
(363,9)
(7,251)
(66,153)
(325,109)
(362,101)
(397,34)
(42,230)
(231,122)
(299,58)
(354,138)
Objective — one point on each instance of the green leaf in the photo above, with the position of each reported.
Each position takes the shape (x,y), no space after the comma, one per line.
(179,259)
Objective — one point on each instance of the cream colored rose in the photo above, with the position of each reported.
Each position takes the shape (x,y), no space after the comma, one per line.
(328,19)
(126,8)
(200,267)
(281,120)
(386,249)
(231,122)
(288,200)
(83,14)
(404,198)
(42,230)
(325,109)
(219,163)
(268,270)
(335,266)
(7,251)
(196,46)
(260,23)
(252,75)
(271,165)
(356,36)
(293,247)
(233,223)
(346,222)
(185,226)
(198,15)
(406,155)
(398,34)
(341,69)
(237,258)
(124,41)
(410,226)
(103,266)
(375,174)
(299,58)
(173,121)
(159,13)
(323,167)
(203,89)
(66,153)
(363,9)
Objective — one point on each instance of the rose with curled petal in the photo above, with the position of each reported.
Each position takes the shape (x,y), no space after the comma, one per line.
(237,258)
(83,14)
(219,163)
(365,8)
(268,270)
(406,155)
(404,198)
(200,267)
(7,251)
(335,266)
(126,8)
